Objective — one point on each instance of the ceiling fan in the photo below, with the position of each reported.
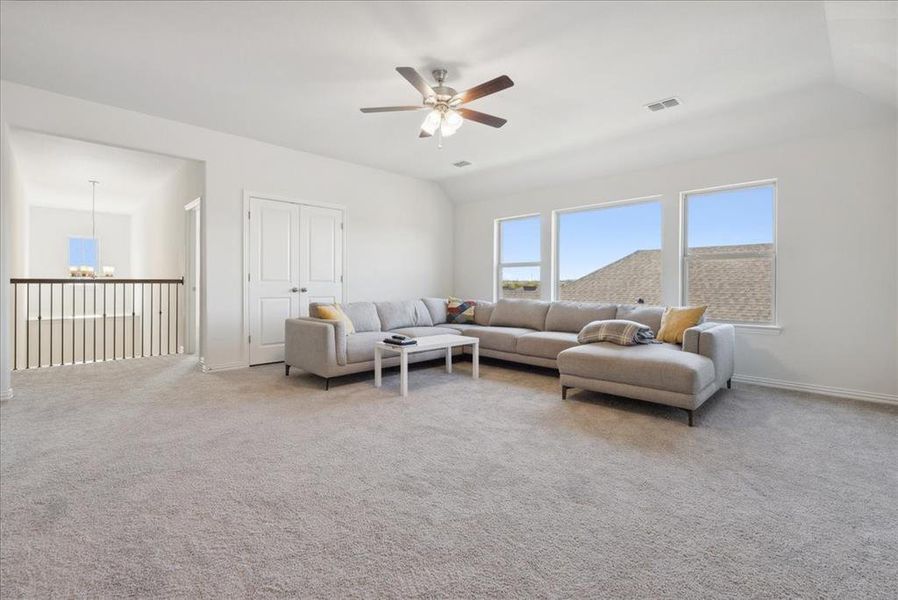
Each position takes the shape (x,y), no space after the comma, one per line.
(446,112)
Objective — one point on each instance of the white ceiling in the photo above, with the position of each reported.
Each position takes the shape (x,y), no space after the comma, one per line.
(56,173)
(295,74)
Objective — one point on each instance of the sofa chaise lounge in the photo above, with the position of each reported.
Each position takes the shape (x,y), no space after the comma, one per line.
(532,332)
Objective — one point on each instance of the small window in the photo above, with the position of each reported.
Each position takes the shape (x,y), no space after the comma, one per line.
(729,259)
(610,253)
(518,265)
(83,252)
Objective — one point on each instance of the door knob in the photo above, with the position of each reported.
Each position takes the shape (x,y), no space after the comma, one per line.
(296,289)
(303,290)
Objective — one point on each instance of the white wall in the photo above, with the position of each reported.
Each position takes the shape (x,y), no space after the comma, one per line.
(386,214)
(50,230)
(836,261)
(14,239)
(157,227)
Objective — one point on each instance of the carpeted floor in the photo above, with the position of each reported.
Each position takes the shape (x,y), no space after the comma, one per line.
(147,478)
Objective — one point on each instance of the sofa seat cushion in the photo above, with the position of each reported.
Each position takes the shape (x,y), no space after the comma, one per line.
(659,366)
(417,332)
(360,346)
(462,328)
(504,339)
(546,344)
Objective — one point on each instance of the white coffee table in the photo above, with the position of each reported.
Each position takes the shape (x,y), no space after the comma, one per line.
(425,344)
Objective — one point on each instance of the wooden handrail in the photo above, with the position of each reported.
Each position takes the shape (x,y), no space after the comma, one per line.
(90,280)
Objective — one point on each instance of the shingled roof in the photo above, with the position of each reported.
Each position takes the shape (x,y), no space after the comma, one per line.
(736,289)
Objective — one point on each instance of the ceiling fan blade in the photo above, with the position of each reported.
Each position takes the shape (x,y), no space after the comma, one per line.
(416,80)
(473,115)
(484,89)
(424,134)
(377,109)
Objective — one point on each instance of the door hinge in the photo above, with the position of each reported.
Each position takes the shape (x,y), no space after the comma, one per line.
(249,215)
(247,276)
(341,226)
(341,279)
(249,339)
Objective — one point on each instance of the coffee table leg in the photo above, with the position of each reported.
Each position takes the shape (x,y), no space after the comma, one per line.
(475,360)
(378,360)
(403,372)
(449,359)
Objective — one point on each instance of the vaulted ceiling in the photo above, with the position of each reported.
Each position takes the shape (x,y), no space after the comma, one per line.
(295,74)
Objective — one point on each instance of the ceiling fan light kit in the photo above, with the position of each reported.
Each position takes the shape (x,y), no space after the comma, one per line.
(446,113)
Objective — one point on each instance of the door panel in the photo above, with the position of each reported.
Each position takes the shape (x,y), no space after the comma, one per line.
(321,258)
(273,275)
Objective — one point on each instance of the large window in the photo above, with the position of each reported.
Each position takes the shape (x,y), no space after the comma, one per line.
(610,254)
(83,252)
(517,268)
(730,252)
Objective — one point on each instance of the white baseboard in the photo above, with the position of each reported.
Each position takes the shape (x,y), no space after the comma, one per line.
(818,389)
(222,367)
(6,394)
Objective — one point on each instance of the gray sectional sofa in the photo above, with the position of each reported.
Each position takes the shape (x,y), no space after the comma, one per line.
(531,332)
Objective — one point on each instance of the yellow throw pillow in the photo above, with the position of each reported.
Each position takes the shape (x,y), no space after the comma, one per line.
(676,320)
(333,312)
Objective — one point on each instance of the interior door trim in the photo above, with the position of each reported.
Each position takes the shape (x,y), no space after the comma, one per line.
(247,194)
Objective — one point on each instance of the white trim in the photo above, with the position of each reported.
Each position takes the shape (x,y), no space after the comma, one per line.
(554,266)
(824,390)
(223,367)
(195,203)
(760,329)
(245,329)
(684,257)
(6,394)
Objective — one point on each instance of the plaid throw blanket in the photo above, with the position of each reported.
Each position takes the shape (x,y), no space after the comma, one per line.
(617,331)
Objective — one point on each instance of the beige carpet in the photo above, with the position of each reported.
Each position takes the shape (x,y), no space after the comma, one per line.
(149,479)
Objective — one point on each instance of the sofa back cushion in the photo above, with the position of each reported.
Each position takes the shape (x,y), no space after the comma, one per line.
(437,309)
(404,313)
(520,313)
(483,312)
(573,316)
(363,316)
(647,315)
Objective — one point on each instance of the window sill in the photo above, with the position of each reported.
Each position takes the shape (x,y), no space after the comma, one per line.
(758,329)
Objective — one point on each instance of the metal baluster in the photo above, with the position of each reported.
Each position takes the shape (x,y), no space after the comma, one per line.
(73,323)
(27,325)
(143,319)
(168,328)
(151,319)
(15,327)
(133,313)
(40,301)
(159,318)
(83,323)
(104,320)
(177,322)
(114,338)
(51,324)
(94,319)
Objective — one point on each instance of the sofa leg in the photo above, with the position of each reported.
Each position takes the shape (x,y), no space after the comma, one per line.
(327,383)
(286,369)
(729,384)
(564,390)
(689,413)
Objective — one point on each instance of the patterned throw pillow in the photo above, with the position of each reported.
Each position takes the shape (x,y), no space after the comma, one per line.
(333,312)
(460,311)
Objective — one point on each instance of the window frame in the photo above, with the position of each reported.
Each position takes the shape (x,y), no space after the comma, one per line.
(69,251)
(773,324)
(498,265)
(556,238)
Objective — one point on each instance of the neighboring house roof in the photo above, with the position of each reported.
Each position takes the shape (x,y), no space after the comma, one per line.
(736,289)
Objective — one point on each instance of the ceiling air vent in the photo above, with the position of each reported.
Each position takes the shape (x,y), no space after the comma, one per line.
(662,104)
(462,163)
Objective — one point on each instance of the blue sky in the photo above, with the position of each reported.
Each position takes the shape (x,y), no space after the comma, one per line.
(592,239)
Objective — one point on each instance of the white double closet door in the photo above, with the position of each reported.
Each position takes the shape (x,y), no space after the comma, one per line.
(295,257)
